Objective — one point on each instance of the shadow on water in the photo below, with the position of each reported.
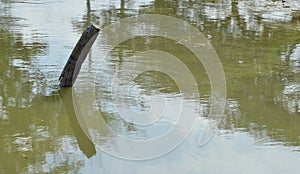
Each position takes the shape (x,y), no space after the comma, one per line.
(258,44)
(32,117)
(84,142)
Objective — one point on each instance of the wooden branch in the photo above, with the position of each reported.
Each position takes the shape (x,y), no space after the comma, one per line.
(77,57)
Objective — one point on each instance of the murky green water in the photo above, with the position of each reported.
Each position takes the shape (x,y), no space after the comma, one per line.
(258,43)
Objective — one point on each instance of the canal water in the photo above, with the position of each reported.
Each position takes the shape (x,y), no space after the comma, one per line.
(257,42)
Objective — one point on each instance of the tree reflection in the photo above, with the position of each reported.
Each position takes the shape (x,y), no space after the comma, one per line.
(31,125)
(259,52)
(249,44)
(90,17)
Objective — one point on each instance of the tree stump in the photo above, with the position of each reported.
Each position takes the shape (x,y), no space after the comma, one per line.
(77,57)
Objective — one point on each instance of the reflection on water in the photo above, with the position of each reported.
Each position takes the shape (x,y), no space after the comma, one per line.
(257,42)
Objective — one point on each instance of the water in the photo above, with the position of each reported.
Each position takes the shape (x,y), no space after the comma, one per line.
(257,43)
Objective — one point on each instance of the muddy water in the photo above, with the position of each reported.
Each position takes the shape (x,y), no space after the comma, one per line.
(258,43)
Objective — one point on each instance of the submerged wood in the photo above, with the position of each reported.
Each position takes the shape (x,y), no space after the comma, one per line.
(77,57)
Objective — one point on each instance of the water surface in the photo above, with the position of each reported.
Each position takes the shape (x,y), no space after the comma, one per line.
(258,43)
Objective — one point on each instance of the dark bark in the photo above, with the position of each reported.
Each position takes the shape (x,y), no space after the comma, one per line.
(77,57)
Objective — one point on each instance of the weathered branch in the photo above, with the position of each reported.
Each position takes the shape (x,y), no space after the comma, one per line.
(77,57)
